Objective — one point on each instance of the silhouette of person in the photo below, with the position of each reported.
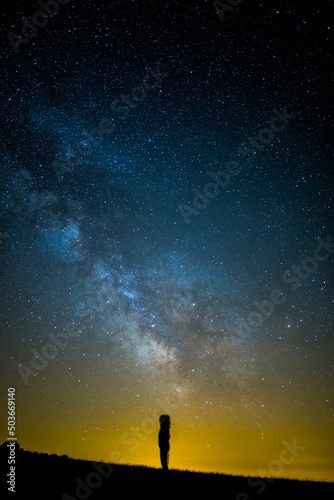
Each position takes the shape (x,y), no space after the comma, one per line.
(164,440)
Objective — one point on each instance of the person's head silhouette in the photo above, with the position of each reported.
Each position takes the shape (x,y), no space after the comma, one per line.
(164,420)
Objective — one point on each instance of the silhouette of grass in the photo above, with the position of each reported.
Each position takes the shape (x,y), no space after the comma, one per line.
(53,477)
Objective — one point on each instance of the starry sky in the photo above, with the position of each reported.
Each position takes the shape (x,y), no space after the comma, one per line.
(166,232)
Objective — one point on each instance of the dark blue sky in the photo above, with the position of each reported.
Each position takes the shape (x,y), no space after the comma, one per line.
(105,245)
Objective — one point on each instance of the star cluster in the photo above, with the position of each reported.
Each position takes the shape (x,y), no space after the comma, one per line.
(131,270)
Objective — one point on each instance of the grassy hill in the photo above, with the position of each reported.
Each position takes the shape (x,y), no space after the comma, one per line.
(52,477)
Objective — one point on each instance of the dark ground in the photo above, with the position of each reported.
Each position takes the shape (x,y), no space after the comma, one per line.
(50,477)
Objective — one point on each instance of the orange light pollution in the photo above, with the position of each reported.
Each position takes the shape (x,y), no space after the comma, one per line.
(124,296)
(244,428)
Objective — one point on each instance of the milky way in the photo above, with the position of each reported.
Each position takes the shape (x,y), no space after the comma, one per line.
(166,230)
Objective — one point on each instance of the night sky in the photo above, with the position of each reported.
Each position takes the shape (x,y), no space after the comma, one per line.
(167,232)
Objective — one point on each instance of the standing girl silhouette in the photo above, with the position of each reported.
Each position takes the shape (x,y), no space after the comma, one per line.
(164,440)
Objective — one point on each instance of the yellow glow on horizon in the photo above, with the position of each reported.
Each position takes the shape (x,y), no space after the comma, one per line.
(232,450)
(228,437)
